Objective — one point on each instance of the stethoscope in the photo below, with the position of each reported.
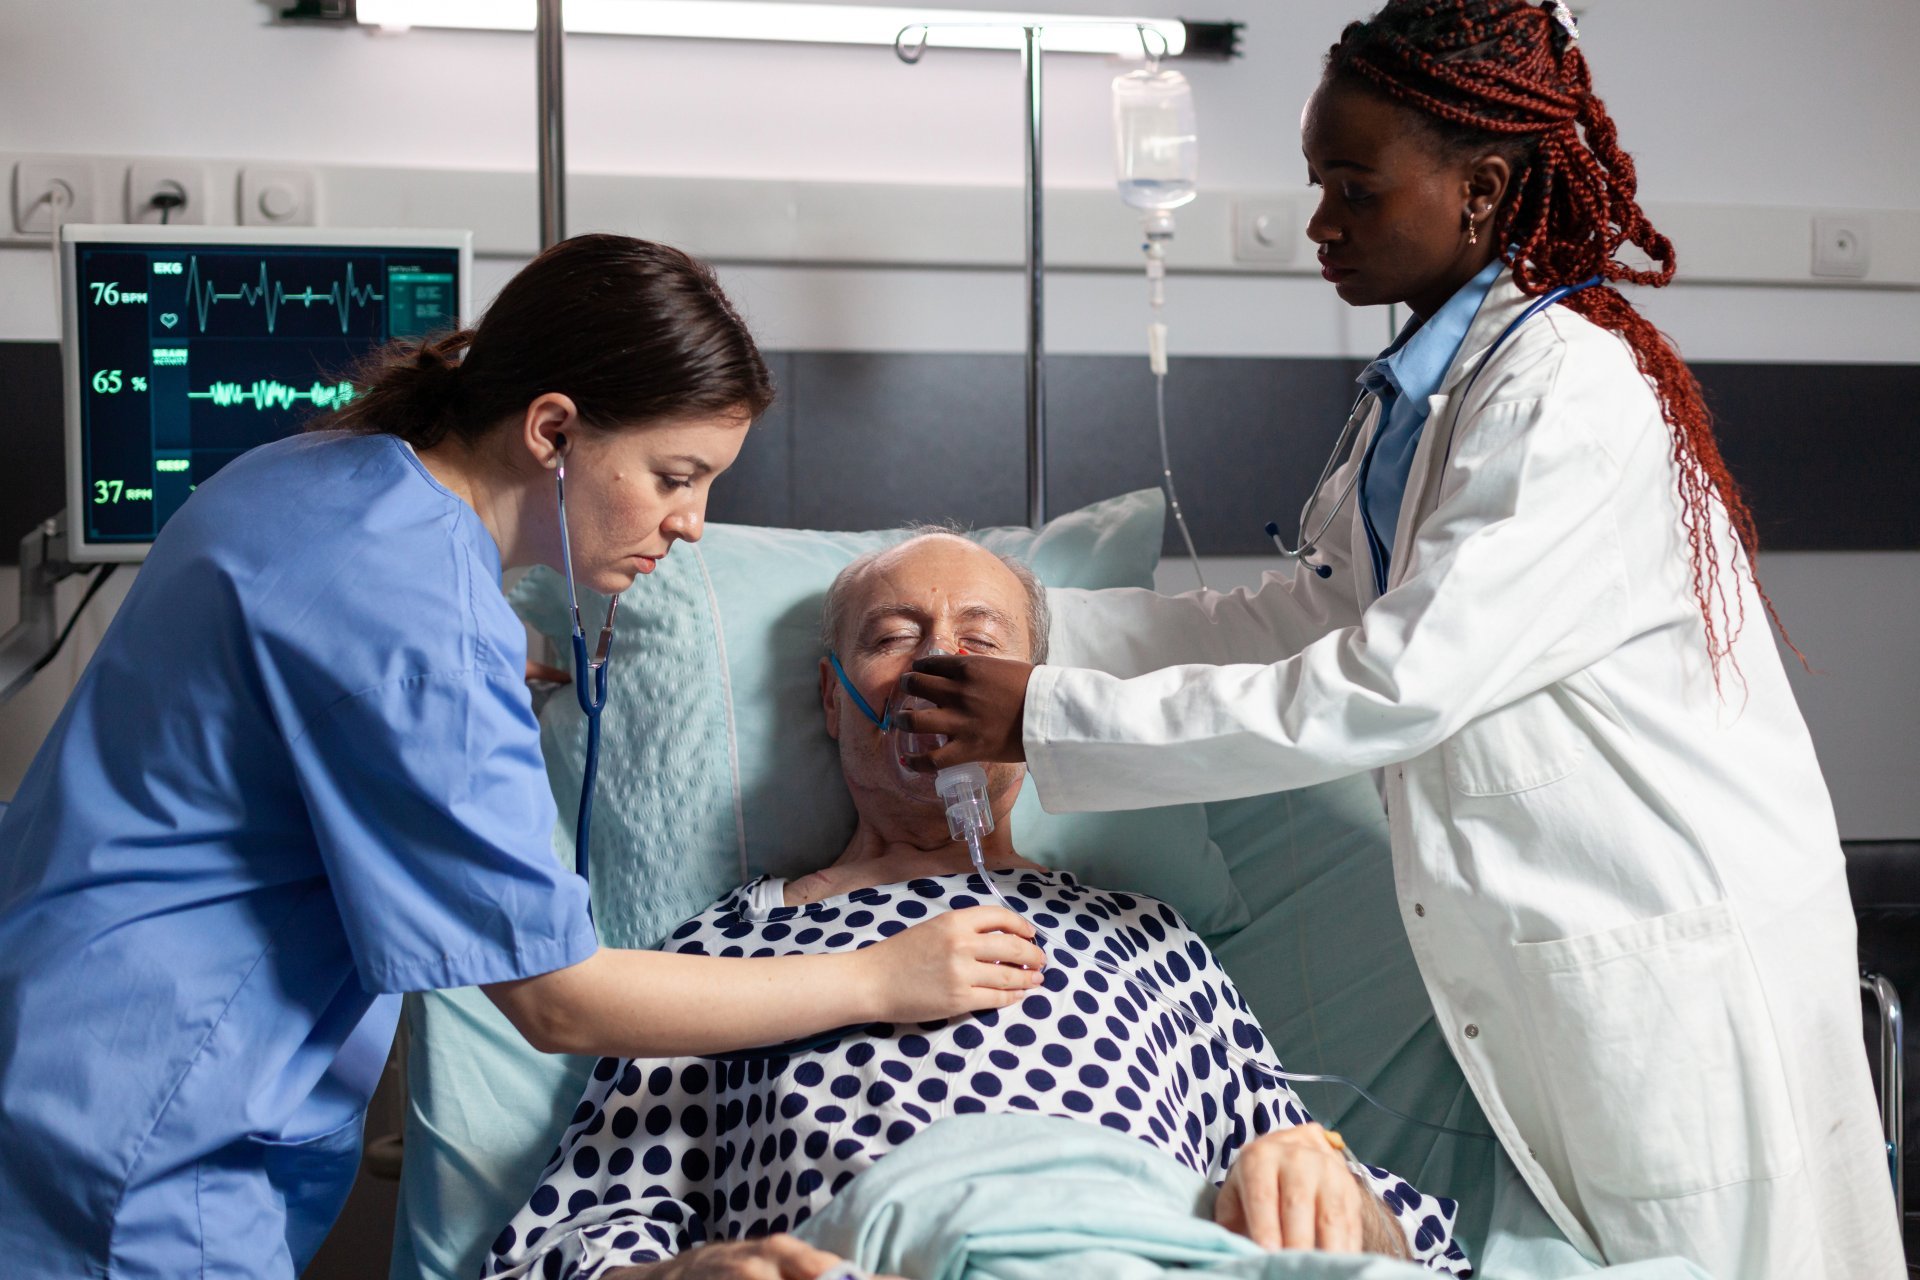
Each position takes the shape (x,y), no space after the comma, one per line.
(589,675)
(1361,410)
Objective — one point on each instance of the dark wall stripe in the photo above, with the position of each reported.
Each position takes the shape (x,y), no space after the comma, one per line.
(1828,454)
(33,461)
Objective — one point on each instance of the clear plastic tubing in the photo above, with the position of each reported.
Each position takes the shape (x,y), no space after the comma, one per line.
(963,794)
(1156,146)
(970,829)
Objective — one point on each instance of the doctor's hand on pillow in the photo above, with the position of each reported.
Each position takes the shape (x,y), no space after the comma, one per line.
(1293,1189)
(767,1258)
(979,704)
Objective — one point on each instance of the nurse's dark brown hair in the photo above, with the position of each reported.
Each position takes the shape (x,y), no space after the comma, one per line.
(633,332)
(1504,77)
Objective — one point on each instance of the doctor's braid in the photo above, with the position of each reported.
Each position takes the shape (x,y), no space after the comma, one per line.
(1505,77)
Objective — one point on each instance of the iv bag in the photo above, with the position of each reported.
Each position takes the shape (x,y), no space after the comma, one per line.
(1155,150)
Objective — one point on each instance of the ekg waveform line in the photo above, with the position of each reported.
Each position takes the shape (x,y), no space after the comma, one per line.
(271,293)
(266,393)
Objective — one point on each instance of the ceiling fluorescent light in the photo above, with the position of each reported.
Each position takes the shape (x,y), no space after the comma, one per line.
(804,23)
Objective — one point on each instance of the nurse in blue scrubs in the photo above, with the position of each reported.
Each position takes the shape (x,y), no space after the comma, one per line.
(302,775)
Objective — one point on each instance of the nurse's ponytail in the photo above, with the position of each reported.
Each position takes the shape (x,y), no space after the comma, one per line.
(633,332)
(1507,77)
(410,389)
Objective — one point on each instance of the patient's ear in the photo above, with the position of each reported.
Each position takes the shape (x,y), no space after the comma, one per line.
(829,703)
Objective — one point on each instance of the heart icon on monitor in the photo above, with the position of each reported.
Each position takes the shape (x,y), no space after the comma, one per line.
(170,319)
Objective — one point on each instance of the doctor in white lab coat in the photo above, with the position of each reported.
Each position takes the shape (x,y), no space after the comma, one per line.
(1614,852)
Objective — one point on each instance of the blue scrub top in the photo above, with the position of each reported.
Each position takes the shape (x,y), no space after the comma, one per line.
(301,774)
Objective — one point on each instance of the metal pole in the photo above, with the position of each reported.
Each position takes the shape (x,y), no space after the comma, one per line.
(1892,1082)
(1036,292)
(551,125)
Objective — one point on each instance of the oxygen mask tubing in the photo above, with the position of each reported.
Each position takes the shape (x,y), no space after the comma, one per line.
(962,790)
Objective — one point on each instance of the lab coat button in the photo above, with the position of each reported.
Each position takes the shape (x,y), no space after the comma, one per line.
(1419,909)
(1472,1031)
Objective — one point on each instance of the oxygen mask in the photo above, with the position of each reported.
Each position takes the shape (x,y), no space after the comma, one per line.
(961,789)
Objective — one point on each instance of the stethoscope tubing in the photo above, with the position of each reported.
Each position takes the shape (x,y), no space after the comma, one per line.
(589,685)
(1349,435)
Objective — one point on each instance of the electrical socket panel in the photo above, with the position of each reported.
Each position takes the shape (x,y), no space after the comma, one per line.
(34,183)
(148,178)
(277,197)
(1842,246)
(1265,231)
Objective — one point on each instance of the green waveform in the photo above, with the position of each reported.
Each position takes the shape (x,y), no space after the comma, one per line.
(340,295)
(266,393)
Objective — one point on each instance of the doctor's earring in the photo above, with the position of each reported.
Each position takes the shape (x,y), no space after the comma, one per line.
(1473,230)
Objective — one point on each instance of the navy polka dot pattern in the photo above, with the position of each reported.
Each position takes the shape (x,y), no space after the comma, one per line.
(662,1155)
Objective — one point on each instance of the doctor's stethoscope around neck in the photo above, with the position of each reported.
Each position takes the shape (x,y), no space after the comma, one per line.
(589,673)
(1310,543)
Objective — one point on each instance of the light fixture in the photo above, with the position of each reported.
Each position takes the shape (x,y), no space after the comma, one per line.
(804,23)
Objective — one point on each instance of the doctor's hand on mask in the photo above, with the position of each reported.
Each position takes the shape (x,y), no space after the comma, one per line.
(979,704)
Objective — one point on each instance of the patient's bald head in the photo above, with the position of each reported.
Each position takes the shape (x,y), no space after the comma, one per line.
(894,606)
(934,569)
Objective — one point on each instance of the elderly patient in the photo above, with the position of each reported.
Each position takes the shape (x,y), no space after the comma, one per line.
(696,1167)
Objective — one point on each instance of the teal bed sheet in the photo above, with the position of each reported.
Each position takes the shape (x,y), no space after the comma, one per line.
(1020,1197)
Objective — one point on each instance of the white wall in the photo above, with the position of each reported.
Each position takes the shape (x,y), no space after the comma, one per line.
(1748,101)
(1733,102)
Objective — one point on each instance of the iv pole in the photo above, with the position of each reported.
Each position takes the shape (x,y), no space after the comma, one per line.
(550,124)
(1036,263)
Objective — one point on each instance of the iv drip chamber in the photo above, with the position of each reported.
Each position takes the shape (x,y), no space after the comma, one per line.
(1155,144)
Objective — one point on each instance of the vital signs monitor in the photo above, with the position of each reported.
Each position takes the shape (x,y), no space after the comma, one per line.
(186,346)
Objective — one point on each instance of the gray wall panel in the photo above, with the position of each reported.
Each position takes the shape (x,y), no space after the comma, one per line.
(1247,438)
(1827,453)
(33,464)
(758,488)
(885,439)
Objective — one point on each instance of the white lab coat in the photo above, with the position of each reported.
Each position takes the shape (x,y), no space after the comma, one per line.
(1625,891)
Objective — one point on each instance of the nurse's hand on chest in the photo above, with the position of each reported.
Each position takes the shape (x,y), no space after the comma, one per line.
(979,707)
(652,1004)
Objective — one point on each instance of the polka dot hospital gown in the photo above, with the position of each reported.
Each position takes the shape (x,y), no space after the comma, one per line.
(664,1154)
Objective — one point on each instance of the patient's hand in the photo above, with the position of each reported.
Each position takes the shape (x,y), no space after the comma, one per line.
(767,1258)
(957,962)
(1293,1190)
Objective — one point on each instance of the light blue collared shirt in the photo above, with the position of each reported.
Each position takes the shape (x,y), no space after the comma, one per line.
(1404,376)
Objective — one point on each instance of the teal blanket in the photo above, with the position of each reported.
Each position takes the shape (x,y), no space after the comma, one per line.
(1014,1197)
(1017,1197)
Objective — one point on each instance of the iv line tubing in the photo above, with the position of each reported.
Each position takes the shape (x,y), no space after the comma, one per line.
(1166,471)
(1194,1021)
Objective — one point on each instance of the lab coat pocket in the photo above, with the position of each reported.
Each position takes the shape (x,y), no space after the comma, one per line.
(1659,1056)
(1525,744)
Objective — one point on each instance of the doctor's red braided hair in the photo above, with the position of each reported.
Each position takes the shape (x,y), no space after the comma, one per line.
(1504,76)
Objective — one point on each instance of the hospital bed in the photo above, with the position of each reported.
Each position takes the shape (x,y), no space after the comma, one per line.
(715,768)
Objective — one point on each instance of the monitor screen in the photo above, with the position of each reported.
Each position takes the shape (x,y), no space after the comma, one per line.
(187,346)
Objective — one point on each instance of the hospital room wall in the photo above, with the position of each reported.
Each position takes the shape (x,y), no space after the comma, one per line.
(1795,116)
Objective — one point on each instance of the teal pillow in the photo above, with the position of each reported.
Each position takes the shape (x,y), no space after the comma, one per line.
(749,782)
(718,648)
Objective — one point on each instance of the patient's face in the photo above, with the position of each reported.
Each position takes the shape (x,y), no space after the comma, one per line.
(936,592)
